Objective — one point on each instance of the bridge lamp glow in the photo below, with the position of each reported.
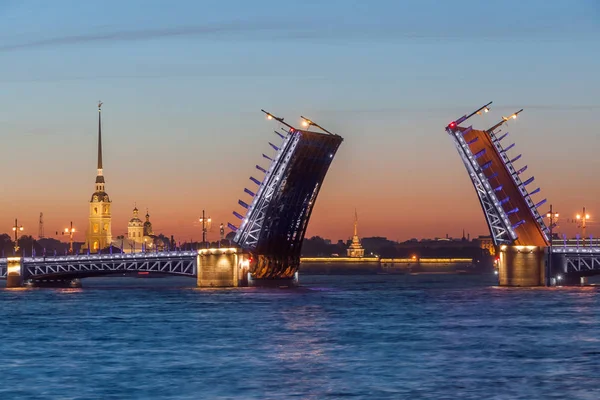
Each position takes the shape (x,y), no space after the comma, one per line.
(559,277)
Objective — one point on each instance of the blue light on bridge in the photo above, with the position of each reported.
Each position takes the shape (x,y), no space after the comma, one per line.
(509,147)
(528,181)
(479,154)
(486,165)
(273,146)
(502,137)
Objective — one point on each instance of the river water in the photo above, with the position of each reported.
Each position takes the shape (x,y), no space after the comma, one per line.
(370,337)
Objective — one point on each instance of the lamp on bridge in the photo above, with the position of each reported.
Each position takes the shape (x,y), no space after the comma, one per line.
(582,218)
(206,223)
(16,229)
(553,217)
(70,231)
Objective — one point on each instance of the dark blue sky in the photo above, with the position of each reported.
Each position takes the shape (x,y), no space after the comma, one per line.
(183,83)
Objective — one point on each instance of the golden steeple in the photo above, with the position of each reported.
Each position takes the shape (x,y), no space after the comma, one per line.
(355,249)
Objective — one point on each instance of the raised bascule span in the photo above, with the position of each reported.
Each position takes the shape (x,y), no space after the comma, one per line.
(506,194)
(275,220)
(269,237)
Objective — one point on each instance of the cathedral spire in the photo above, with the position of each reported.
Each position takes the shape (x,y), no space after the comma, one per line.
(99,138)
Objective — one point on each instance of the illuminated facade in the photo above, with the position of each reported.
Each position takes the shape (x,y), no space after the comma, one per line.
(140,235)
(99,233)
(486,243)
(135,228)
(355,249)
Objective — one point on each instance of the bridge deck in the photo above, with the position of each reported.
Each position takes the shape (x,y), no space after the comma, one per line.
(529,233)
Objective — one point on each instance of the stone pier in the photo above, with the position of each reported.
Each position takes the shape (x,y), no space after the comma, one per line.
(223,267)
(522,266)
(14,272)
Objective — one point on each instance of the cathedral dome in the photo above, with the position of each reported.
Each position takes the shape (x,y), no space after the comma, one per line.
(135,221)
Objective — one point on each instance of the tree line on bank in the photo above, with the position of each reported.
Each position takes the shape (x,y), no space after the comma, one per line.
(378,246)
(312,247)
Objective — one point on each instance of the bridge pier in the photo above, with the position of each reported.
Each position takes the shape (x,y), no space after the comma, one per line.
(522,266)
(273,282)
(14,272)
(224,267)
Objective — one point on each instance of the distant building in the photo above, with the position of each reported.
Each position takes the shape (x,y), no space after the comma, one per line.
(486,243)
(355,249)
(99,234)
(140,236)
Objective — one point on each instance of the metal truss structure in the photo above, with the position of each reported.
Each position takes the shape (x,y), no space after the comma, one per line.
(181,263)
(582,260)
(504,181)
(275,222)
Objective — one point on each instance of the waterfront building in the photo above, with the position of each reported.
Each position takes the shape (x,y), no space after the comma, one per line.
(355,249)
(99,234)
(140,235)
(486,243)
(135,228)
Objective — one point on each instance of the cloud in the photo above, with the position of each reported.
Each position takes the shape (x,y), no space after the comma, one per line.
(312,30)
(145,34)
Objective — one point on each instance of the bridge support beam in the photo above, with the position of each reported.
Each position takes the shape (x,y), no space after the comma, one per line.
(225,267)
(522,266)
(14,272)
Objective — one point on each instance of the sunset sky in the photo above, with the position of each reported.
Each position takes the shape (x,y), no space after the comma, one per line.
(183,83)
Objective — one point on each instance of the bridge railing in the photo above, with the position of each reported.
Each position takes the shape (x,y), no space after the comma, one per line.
(575,250)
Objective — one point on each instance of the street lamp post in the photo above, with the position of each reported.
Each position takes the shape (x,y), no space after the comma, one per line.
(205,226)
(553,217)
(70,231)
(582,218)
(16,229)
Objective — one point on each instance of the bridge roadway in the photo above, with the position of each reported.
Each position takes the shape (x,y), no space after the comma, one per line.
(182,263)
(501,174)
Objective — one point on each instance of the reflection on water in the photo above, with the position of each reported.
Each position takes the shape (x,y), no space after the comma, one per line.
(372,337)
